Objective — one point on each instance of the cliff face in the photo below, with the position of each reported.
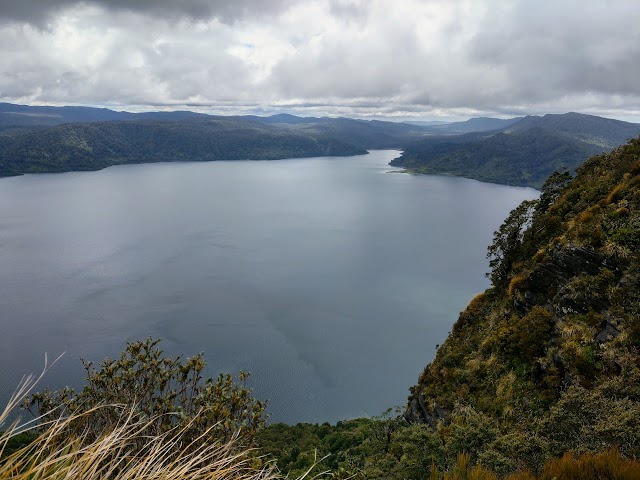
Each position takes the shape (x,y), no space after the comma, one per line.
(557,337)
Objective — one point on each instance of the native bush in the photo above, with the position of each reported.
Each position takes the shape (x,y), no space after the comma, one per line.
(169,391)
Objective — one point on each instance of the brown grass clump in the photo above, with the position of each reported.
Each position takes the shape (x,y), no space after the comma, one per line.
(463,471)
(614,195)
(114,455)
(516,283)
(591,466)
(608,464)
(115,452)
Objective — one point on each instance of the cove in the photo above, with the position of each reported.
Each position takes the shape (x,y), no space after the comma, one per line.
(328,279)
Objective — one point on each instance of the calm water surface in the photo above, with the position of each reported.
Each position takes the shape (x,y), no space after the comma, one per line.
(327,278)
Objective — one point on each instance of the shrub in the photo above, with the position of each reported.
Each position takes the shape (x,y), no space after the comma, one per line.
(115,451)
(168,394)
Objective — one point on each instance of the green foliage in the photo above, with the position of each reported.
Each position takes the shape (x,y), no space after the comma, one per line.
(145,384)
(470,432)
(586,420)
(544,363)
(346,447)
(505,249)
(553,187)
(93,146)
(413,451)
(548,359)
(16,442)
(525,153)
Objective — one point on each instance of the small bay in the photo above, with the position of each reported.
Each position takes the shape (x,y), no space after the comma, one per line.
(328,279)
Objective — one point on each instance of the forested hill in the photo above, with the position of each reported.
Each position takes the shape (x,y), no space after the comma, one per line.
(523,153)
(518,151)
(37,139)
(13,115)
(92,146)
(549,358)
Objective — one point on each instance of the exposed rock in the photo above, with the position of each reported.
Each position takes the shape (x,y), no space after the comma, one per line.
(563,265)
(570,302)
(607,333)
(417,412)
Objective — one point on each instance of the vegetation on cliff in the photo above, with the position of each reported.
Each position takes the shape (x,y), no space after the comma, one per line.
(561,321)
(545,364)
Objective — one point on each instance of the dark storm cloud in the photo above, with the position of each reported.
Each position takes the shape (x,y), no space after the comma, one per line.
(38,12)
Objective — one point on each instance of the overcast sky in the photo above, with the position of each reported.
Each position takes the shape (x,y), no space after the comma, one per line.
(371,58)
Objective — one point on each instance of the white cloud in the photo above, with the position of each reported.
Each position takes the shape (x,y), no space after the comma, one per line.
(362,58)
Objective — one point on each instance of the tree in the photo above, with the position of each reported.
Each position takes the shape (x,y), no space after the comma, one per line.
(553,187)
(504,250)
(168,392)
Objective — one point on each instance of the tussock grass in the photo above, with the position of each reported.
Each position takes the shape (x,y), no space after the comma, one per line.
(607,464)
(591,466)
(116,454)
(124,450)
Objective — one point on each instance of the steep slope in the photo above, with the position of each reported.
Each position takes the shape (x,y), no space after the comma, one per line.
(524,153)
(524,158)
(477,124)
(606,133)
(549,357)
(544,363)
(91,146)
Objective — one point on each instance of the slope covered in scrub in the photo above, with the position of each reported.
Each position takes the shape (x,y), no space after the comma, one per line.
(550,352)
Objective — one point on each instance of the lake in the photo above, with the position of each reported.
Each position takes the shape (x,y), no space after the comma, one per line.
(329,279)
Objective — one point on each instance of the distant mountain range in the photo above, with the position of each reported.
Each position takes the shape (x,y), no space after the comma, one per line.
(517,151)
(524,152)
(93,146)
(427,123)
(59,139)
(12,115)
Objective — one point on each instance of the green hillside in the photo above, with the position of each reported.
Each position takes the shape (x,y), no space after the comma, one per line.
(60,139)
(551,351)
(524,153)
(92,146)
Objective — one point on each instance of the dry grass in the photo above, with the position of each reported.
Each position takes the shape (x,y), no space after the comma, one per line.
(116,452)
(608,464)
(516,283)
(591,466)
(463,471)
(113,455)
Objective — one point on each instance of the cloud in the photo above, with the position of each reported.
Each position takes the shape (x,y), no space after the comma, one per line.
(338,57)
(39,12)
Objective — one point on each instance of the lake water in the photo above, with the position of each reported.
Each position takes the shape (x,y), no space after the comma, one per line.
(329,279)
